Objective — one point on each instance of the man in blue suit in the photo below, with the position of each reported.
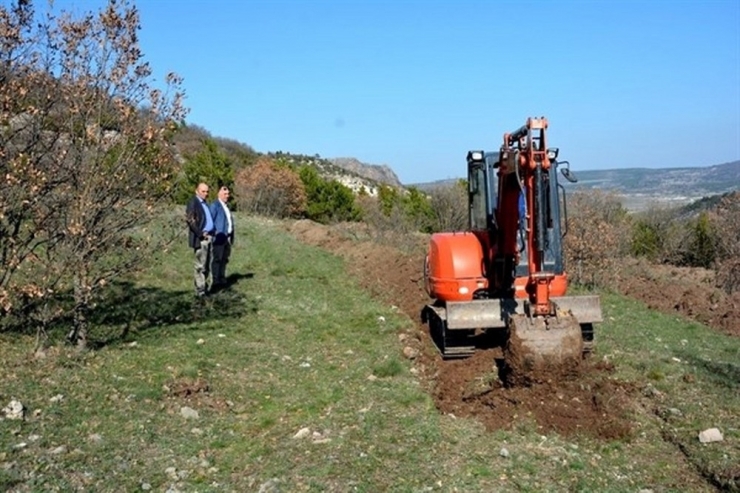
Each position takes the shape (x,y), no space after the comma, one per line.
(224,238)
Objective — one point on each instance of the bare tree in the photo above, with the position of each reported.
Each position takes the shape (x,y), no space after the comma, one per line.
(86,158)
(450,206)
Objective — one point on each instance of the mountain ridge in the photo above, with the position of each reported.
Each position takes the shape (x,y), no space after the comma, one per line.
(642,187)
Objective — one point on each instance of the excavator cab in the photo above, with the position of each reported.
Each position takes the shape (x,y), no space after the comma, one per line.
(506,273)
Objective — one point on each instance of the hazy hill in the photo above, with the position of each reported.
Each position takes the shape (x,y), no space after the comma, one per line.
(642,187)
(695,182)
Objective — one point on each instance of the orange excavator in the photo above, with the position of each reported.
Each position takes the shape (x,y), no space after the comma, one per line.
(504,279)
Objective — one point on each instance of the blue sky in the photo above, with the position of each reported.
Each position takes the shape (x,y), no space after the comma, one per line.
(416,84)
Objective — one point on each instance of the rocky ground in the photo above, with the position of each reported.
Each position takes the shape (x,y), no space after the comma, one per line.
(471,387)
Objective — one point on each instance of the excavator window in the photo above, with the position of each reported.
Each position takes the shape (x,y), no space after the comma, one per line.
(477,197)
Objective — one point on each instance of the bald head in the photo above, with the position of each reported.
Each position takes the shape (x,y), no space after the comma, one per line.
(201,191)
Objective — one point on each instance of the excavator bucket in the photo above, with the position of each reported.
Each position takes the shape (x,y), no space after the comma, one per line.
(542,348)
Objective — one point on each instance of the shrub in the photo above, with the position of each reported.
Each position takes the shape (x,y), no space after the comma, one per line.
(327,200)
(268,189)
(408,209)
(658,235)
(595,239)
(726,223)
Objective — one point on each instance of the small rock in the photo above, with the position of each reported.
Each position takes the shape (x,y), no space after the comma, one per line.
(95,438)
(171,472)
(410,353)
(196,431)
(189,413)
(503,452)
(381,319)
(58,450)
(372,378)
(305,364)
(201,341)
(271,486)
(133,344)
(677,360)
(222,336)
(646,490)
(21,445)
(34,438)
(15,410)
(650,391)
(146,487)
(710,435)
(302,433)
(57,398)
(402,337)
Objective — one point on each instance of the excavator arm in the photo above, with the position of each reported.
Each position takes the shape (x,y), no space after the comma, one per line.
(525,156)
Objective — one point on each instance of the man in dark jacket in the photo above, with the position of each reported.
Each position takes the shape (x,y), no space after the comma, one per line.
(224,226)
(200,237)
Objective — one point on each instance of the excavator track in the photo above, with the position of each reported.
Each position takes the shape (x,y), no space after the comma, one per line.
(451,344)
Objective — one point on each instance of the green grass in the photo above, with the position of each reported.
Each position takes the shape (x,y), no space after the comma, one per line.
(295,344)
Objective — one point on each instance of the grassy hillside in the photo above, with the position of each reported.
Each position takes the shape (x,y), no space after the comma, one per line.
(293,380)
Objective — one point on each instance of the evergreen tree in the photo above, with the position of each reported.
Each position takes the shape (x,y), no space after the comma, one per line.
(328,200)
(702,248)
(209,165)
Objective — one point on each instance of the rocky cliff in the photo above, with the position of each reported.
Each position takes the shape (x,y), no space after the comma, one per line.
(380,173)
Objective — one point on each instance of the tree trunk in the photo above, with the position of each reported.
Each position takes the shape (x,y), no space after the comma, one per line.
(78,335)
